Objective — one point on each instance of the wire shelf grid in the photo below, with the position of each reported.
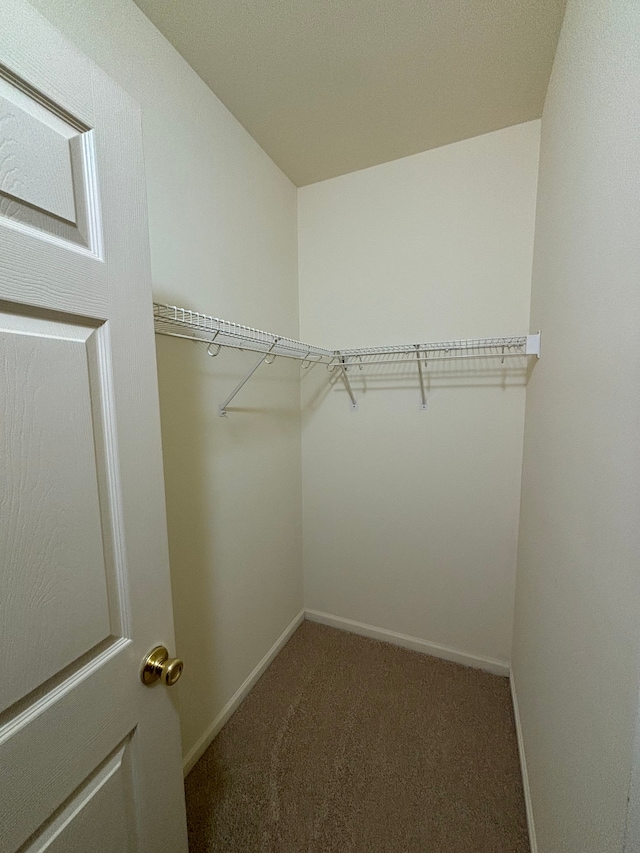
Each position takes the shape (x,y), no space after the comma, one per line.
(182,322)
(217,334)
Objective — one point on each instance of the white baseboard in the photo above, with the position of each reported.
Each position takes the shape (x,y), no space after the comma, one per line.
(196,752)
(523,767)
(414,643)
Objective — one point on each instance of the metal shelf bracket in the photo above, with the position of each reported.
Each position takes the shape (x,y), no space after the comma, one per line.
(262,360)
(420,371)
(343,368)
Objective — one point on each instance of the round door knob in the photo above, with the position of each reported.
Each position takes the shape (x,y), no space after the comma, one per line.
(158,665)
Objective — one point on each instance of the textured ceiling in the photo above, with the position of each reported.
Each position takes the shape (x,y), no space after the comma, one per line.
(330,86)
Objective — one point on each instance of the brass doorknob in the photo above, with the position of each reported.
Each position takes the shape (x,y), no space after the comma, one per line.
(158,665)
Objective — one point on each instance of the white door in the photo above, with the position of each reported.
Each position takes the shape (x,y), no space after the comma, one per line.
(89,756)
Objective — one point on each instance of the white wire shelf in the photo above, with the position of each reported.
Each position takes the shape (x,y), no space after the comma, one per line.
(183,323)
(219,334)
(473,348)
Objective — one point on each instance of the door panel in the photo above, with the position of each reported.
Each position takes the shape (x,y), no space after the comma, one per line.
(56,741)
(47,167)
(90,757)
(35,164)
(99,807)
(55,605)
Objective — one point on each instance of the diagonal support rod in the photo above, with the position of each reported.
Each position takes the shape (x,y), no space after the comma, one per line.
(422,391)
(223,407)
(347,384)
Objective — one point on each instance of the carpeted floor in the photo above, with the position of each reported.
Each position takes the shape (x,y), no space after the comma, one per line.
(349,745)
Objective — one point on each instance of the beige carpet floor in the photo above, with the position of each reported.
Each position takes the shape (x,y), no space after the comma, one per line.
(349,745)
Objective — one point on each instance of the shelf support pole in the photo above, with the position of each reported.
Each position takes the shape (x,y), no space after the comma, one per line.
(347,384)
(420,371)
(223,407)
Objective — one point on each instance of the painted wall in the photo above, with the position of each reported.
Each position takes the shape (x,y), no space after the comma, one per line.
(223,240)
(410,517)
(577,625)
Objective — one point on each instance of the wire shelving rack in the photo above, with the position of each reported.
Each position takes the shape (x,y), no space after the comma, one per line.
(220,334)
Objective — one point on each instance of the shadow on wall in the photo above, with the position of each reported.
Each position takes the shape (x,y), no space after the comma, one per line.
(184,447)
(318,381)
(233,516)
(411,516)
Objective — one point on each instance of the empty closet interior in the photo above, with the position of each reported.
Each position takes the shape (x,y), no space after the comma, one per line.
(433,442)
(400,514)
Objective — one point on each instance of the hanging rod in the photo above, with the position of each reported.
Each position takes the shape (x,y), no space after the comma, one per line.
(218,334)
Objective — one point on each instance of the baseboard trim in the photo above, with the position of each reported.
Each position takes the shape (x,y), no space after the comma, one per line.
(533,843)
(196,752)
(414,643)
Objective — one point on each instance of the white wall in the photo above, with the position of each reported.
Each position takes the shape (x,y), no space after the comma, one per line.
(577,624)
(410,517)
(223,240)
